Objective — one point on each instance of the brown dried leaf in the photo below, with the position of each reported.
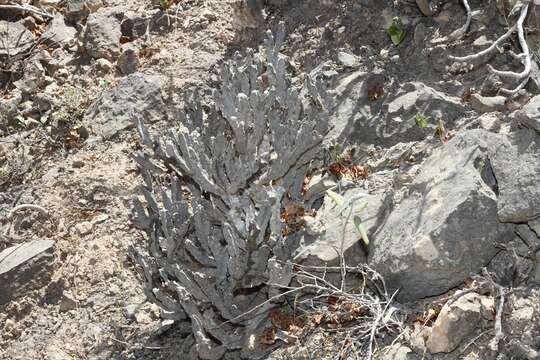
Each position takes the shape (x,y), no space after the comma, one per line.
(375,92)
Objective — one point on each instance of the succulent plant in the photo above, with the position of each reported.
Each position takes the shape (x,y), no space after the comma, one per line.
(214,190)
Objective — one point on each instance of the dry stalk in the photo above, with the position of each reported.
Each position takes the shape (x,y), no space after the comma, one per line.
(27,9)
(378,312)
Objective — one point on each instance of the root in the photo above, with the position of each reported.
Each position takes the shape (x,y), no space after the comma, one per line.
(459,33)
(524,56)
(27,207)
(499,335)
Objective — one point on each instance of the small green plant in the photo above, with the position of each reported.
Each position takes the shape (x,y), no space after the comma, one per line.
(420,121)
(396,31)
(164,4)
(357,220)
(4,174)
(336,152)
(71,105)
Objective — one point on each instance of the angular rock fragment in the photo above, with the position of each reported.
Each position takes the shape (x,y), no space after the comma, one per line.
(458,321)
(135,97)
(447,227)
(128,61)
(58,34)
(102,35)
(77,10)
(516,165)
(484,104)
(396,352)
(24,267)
(16,39)
(348,60)
(134,25)
(530,114)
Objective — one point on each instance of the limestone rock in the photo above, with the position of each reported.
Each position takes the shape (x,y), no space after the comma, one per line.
(102,35)
(58,34)
(16,39)
(530,114)
(134,25)
(348,60)
(128,61)
(516,165)
(446,227)
(484,104)
(535,226)
(396,352)
(33,77)
(366,112)
(338,232)
(138,96)
(77,10)
(24,267)
(458,321)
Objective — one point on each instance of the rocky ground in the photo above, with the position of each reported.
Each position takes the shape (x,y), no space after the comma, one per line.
(449,165)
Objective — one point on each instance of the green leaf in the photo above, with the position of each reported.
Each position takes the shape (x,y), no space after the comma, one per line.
(396,31)
(164,4)
(358,223)
(420,121)
(338,199)
(361,229)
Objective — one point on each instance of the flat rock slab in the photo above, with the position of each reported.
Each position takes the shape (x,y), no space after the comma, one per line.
(446,227)
(24,267)
(369,111)
(516,165)
(58,34)
(337,232)
(16,39)
(137,96)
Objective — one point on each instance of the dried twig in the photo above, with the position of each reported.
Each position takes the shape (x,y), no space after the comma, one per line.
(27,207)
(27,9)
(459,33)
(499,335)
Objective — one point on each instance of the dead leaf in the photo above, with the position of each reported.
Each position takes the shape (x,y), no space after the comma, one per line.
(375,92)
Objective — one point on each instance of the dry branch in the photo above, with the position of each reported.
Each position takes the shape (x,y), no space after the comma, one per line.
(27,9)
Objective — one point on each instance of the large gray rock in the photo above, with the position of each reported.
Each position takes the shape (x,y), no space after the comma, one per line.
(530,114)
(516,165)
(446,228)
(389,117)
(58,34)
(24,267)
(16,39)
(535,226)
(102,35)
(329,232)
(137,96)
